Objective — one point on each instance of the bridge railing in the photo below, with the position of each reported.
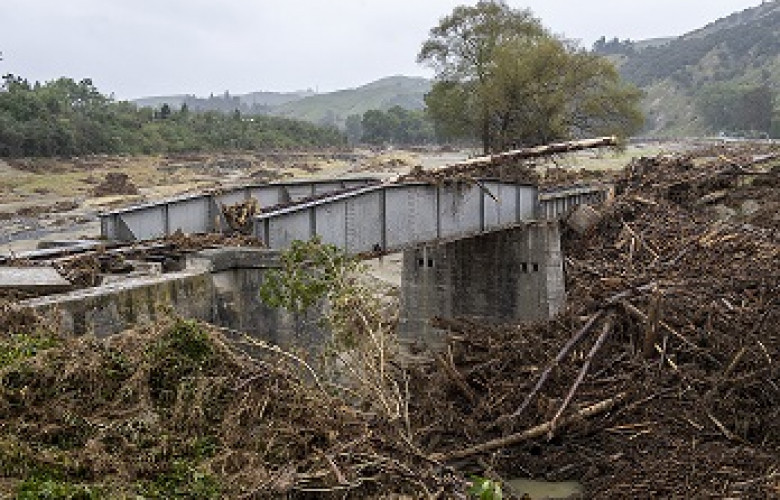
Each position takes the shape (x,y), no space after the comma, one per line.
(201,213)
(394,217)
(555,203)
(360,216)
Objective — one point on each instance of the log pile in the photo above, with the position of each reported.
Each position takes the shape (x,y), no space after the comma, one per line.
(661,378)
(115,183)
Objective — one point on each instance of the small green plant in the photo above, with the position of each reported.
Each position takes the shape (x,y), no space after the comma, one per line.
(20,346)
(186,338)
(184,480)
(45,488)
(182,351)
(485,489)
(309,271)
(362,339)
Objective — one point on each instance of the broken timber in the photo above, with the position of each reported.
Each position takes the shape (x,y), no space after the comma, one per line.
(521,154)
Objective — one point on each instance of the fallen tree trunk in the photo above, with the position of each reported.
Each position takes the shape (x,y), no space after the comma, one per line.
(534,152)
(466,167)
(531,433)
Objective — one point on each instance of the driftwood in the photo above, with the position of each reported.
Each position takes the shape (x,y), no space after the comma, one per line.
(573,341)
(531,433)
(475,165)
(535,152)
(583,371)
(456,378)
(638,314)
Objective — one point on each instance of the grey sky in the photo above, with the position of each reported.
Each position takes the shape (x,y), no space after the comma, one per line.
(137,48)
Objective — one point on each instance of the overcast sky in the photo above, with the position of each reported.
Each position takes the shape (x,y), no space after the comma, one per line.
(137,48)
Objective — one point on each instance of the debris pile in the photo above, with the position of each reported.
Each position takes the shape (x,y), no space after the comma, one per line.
(115,183)
(660,379)
(558,176)
(86,268)
(238,216)
(505,170)
(177,411)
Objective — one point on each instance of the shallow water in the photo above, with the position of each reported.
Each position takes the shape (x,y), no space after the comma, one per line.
(544,489)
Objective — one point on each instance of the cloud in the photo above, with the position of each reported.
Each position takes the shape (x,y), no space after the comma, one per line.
(152,47)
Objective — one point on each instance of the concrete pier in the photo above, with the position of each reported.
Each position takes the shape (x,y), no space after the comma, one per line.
(516,274)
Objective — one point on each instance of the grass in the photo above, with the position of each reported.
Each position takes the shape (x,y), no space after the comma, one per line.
(16,347)
(68,179)
(607,159)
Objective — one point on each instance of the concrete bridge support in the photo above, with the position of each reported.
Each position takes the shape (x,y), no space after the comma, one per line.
(516,274)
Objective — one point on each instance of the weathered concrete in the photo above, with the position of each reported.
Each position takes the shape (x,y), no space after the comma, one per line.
(112,308)
(515,274)
(33,279)
(220,286)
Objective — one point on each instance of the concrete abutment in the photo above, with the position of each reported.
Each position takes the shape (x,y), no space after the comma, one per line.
(513,274)
(510,275)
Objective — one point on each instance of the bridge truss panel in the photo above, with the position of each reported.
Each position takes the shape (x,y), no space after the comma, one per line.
(398,216)
(203,212)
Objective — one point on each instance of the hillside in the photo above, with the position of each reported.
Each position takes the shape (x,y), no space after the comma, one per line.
(722,78)
(252,103)
(334,107)
(330,108)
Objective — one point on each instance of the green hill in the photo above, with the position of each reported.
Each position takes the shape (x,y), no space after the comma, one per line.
(252,103)
(330,108)
(334,107)
(722,78)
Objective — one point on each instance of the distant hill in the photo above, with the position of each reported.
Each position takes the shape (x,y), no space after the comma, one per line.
(334,107)
(252,103)
(331,108)
(722,78)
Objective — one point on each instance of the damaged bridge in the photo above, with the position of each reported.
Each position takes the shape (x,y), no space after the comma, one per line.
(472,245)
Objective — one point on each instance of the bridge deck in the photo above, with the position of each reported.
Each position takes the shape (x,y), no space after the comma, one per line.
(201,213)
(392,217)
(360,216)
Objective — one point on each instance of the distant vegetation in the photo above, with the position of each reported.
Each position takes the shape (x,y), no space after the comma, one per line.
(334,107)
(255,103)
(397,126)
(723,78)
(67,118)
(327,108)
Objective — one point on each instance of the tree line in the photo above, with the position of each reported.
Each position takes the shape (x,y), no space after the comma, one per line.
(69,118)
(742,110)
(397,126)
(502,81)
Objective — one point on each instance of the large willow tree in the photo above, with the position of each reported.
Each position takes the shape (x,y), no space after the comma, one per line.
(503,79)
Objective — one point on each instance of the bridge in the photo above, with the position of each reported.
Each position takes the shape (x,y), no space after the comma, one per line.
(472,246)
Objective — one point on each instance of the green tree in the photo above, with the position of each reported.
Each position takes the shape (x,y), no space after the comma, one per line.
(378,127)
(741,109)
(505,80)
(354,128)
(165,111)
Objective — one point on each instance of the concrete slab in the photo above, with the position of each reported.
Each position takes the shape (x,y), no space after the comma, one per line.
(33,279)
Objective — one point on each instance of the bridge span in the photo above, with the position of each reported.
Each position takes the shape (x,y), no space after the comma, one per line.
(359,215)
(394,217)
